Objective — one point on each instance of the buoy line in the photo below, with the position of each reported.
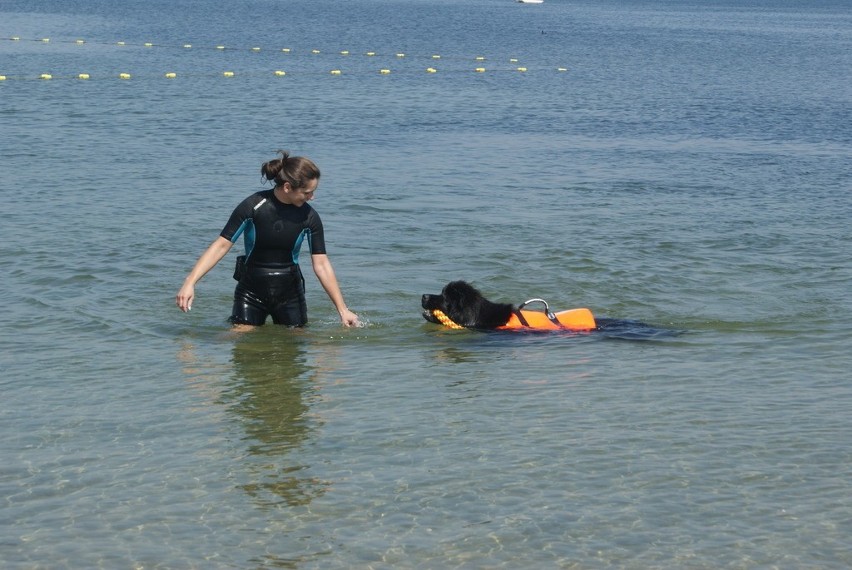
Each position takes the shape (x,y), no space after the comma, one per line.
(254,74)
(451,64)
(189,47)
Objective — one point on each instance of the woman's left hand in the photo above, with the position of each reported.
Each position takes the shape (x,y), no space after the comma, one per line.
(349,319)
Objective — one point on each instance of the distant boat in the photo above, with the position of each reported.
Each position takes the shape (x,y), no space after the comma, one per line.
(531,1)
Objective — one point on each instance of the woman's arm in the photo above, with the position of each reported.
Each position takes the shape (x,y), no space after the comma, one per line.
(208,260)
(325,273)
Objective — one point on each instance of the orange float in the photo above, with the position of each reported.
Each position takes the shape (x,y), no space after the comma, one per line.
(580,319)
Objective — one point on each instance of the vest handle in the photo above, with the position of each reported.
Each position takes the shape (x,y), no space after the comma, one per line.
(547,311)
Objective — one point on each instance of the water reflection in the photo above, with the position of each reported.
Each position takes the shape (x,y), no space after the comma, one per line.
(271,392)
(269,386)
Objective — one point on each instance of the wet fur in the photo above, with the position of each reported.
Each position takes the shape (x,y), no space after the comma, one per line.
(466,306)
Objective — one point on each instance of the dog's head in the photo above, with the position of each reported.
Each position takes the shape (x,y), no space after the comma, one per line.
(464,306)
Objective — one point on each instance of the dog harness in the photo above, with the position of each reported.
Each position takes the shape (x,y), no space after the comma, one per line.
(571,319)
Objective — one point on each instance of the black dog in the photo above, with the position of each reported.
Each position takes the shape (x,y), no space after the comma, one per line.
(466,306)
(460,305)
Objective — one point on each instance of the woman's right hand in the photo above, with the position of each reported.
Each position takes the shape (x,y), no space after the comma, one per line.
(211,256)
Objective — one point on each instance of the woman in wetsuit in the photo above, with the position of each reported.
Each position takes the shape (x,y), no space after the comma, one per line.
(274,224)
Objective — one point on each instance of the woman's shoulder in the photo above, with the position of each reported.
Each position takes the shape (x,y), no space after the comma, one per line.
(312,212)
(259,197)
(313,218)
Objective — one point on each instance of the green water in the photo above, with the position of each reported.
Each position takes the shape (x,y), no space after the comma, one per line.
(690,171)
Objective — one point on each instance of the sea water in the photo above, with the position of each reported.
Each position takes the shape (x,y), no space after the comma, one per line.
(681,164)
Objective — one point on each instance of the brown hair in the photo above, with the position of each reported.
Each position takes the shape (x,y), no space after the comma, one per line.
(297,170)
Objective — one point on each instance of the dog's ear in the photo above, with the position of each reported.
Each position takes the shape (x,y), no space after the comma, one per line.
(461,302)
(493,315)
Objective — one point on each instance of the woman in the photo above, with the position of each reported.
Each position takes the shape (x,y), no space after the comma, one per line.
(274,224)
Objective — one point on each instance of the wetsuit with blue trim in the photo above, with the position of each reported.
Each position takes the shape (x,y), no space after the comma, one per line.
(270,282)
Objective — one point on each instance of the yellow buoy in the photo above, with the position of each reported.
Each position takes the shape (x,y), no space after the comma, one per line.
(480,58)
(80,42)
(480,70)
(522,69)
(220,47)
(83,76)
(431,70)
(436,56)
(255,49)
(513,60)
(384,71)
(2,78)
(45,76)
(344,52)
(315,51)
(187,46)
(149,44)
(124,76)
(171,75)
(285,50)
(336,72)
(280,73)
(15,38)
(228,73)
(400,55)
(45,40)
(119,43)
(371,53)
(561,69)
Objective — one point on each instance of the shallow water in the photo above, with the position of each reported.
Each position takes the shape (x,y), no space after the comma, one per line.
(690,170)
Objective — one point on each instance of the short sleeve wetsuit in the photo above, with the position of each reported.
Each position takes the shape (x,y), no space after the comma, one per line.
(271,282)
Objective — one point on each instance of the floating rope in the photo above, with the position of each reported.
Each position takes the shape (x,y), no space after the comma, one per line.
(290,55)
(188,47)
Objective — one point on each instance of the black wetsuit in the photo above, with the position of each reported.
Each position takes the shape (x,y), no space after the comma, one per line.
(270,282)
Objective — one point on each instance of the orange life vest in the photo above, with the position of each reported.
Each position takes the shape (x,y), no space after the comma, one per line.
(572,319)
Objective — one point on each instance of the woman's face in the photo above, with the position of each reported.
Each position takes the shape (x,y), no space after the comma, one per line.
(300,196)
